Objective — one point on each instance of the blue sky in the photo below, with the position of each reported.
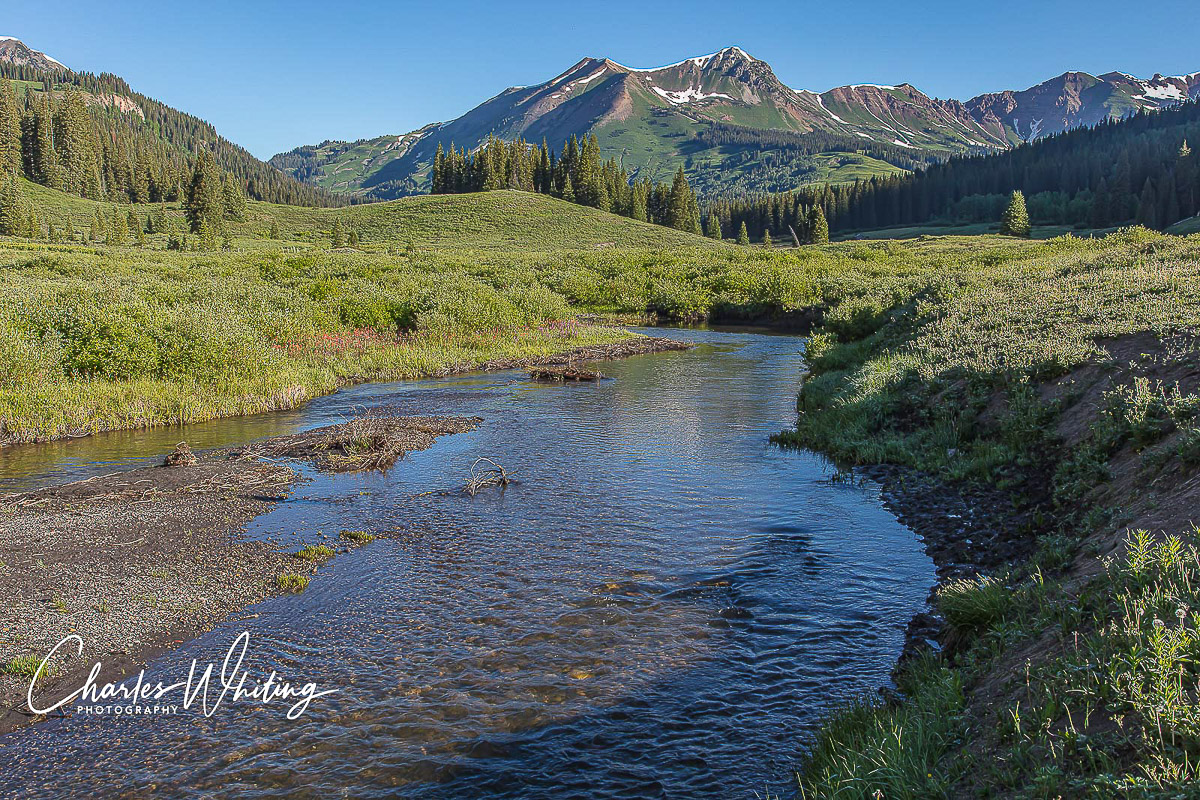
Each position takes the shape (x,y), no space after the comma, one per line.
(273,75)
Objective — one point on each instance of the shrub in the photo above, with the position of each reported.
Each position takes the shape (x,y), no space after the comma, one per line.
(315,552)
(290,582)
(975,604)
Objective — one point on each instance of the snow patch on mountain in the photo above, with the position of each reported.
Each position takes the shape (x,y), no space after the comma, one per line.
(687,96)
(1167,92)
(836,118)
(592,77)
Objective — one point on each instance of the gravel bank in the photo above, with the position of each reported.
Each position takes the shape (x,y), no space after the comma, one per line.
(137,562)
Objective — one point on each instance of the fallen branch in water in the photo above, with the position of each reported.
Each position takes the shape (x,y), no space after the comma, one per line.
(491,476)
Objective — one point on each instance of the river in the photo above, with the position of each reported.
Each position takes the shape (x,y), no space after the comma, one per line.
(664,605)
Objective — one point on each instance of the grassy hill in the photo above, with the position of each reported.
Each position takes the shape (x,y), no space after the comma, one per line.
(1185,227)
(499,220)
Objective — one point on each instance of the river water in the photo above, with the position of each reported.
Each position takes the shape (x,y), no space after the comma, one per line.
(663,605)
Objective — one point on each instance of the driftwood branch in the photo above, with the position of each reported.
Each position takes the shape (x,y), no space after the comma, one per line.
(484,476)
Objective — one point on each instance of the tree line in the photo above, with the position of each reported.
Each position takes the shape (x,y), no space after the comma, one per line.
(577,174)
(91,135)
(1136,170)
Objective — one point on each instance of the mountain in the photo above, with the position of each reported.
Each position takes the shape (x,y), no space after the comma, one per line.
(732,123)
(14,51)
(1076,99)
(143,149)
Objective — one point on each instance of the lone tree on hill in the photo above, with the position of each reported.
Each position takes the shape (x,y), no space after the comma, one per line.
(743,235)
(818,226)
(1015,221)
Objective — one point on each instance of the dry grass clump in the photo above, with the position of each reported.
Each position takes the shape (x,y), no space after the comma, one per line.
(374,440)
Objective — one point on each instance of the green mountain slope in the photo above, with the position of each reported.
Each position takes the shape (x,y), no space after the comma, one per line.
(144,146)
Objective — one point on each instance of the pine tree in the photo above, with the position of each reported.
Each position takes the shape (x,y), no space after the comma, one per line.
(683,212)
(1147,213)
(207,235)
(714,227)
(818,226)
(77,160)
(37,142)
(1015,221)
(233,200)
(352,239)
(274,233)
(99,227)
(116,231)
(743,236)
(10,129)
(12,206)
(337,235)
(639,205)
(204,202)
(438,183)
(767,237)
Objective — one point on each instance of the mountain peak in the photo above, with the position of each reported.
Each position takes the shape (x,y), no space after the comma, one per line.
(725,56)
(14,51)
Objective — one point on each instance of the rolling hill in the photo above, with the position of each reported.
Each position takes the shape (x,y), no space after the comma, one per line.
(499,221)
(728,112)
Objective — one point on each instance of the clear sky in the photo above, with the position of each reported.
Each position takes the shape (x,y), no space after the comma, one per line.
(274,75)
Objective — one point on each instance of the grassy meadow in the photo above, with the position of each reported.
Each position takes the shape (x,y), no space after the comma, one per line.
(103,336)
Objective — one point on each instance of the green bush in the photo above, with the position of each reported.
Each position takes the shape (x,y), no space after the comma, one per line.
(975,604)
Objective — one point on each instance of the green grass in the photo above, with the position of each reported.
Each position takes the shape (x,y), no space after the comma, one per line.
(358,537)
(315,552)
(105,337)
(933,349)
(23,666)
(972,229)
(1185,227)
(493,221)
(292,583)
(870,749)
